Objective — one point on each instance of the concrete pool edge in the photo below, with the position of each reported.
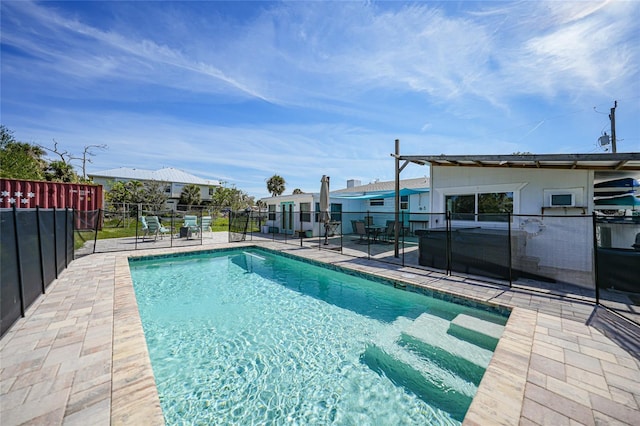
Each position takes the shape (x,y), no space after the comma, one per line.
(135,397)
(500,396)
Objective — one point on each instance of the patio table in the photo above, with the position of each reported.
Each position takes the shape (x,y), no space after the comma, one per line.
(374,231)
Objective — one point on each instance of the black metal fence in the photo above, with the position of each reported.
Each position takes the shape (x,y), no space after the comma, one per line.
(617,254)
(137,227)
(37,244)
(588,257)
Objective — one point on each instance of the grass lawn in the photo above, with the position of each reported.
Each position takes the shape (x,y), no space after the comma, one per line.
(112,230)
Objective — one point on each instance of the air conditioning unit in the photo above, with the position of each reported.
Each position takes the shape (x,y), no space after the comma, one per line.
(562,200)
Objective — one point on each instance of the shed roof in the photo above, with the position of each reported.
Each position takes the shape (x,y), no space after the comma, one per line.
(629,161)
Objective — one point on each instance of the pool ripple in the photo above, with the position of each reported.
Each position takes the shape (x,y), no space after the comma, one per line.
(231,346)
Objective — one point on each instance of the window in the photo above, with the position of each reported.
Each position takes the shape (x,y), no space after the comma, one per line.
(462,207)
(336,212)
(404,202)
(305,212)
(272,212)
(376,202)
(211,191)
(495,207)
(489,207)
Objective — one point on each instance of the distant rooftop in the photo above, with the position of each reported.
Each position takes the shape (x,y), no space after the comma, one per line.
(417,183)
(168,174)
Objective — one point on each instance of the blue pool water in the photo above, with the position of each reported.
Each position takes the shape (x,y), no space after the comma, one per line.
(252,337)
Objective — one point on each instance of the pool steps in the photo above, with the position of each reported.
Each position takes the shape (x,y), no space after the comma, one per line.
(429,353)
(474,330)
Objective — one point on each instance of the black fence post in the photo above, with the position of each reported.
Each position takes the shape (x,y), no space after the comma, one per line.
(173,213)
(95,230)
(19,261)
(40,250)
(595,256)
(448,240)
(66,236)
(55,240)
(135,243)
(367,224)
(510,255)
(403,240)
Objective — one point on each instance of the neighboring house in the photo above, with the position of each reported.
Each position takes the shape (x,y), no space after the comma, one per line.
(290,213)
(173,179)
(480,191)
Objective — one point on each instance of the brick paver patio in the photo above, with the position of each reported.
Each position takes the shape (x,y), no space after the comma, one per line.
(79,355)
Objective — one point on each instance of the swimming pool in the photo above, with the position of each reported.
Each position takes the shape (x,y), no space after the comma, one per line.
(251,337)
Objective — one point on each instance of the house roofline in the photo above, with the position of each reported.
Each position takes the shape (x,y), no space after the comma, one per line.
(615,161)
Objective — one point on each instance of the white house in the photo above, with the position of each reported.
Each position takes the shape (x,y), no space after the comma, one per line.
(540,192)
(173,179)
(299,212)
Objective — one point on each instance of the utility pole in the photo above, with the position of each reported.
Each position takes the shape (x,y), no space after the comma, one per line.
(612,117)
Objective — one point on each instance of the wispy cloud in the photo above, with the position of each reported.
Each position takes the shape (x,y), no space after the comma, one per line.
(239,91)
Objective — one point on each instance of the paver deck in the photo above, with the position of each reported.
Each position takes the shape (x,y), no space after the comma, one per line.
(79,355)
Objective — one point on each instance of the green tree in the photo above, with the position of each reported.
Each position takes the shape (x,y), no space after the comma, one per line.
(154,194)
(297,191)
(125,192)
(276,185)
(135,189)
(190,195)
(117,194)
(60,171)
(19,160)
(232,198)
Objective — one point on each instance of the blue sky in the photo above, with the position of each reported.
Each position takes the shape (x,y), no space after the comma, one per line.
(239,91)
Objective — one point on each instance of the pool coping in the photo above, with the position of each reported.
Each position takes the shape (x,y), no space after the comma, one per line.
(499,397)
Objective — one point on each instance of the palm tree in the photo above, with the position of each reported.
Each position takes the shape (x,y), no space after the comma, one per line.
(275,185)
(190,195)
(297,191)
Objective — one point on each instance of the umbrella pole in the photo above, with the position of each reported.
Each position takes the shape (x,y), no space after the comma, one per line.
(326,234)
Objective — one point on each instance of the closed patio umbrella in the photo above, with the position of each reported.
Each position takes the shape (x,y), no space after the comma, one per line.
(324,206)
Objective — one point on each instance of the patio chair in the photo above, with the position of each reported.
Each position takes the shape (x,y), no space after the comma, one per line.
(191,222)
(155,228)
(144,227)
(205,224)
(361,231)
(389,233)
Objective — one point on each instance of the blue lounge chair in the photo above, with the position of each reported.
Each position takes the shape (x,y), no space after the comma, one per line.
(144,227)
(205,224)
(191,222)
(155,228)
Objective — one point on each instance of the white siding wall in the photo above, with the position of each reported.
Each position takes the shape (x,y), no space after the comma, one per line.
(562,247)
(528,185)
